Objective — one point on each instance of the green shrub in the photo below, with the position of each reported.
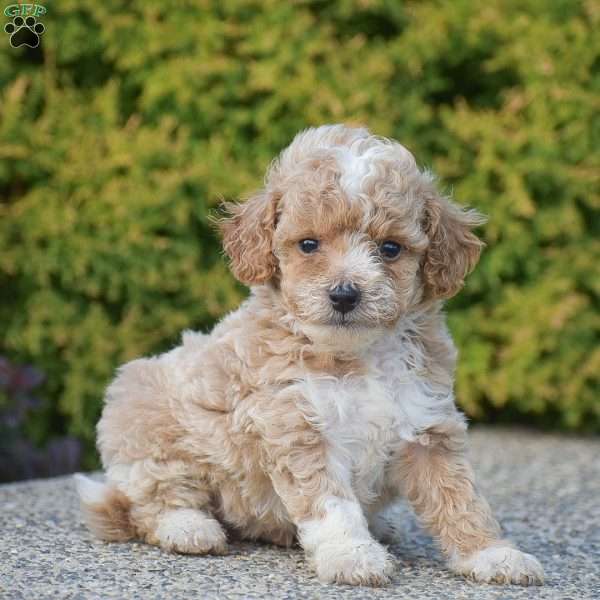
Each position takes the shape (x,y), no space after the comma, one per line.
(131,121)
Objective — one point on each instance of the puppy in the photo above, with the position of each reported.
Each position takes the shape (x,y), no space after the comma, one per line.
(326,395)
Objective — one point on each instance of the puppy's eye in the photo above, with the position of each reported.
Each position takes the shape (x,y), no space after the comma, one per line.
(308,246)
(390,250)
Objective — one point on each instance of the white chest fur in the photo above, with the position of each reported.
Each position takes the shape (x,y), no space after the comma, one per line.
(364,418)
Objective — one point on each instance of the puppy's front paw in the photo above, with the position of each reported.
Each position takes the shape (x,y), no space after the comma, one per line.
(500,565)
(354,562)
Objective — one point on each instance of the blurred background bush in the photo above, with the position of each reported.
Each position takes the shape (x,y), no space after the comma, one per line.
(124,129)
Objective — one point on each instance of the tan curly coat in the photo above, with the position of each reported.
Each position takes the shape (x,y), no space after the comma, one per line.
(291,420)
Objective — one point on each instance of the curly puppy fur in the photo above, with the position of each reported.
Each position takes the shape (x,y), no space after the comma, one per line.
(293,420)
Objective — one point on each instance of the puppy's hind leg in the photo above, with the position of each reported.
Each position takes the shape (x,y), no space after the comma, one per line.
(162,521)
(171,509)
(165,491)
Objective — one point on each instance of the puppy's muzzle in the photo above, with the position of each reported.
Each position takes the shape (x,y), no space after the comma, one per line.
(344,297)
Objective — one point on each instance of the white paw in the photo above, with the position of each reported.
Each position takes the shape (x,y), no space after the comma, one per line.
(500,565)
(190,532)
(354,562)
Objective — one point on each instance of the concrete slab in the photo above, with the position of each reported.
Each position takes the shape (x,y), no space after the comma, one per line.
(545,490)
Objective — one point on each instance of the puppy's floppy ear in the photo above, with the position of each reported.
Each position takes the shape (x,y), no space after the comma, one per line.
(453,249)
(248,237)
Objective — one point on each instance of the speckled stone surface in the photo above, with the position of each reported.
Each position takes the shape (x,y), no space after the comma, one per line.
(544,489)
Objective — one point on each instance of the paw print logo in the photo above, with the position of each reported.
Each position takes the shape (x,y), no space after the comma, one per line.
(24,32)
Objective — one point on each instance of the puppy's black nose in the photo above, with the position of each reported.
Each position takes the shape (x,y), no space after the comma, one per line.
(344,297)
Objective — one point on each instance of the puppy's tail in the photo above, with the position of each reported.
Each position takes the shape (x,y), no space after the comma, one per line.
(105,509)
